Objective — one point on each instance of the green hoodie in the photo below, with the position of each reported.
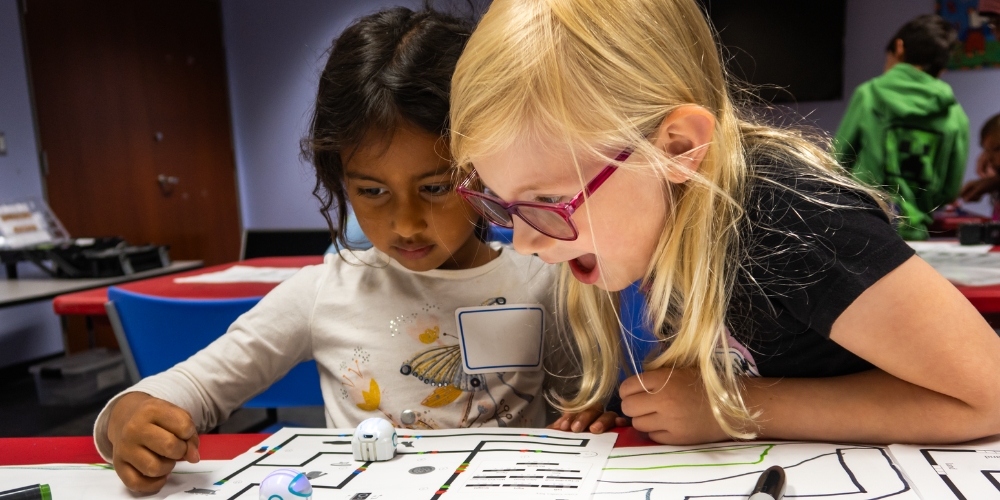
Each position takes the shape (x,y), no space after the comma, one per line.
(905,132)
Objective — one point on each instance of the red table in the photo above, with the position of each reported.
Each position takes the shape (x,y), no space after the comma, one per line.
(986,299)
(91,302)
(81,450)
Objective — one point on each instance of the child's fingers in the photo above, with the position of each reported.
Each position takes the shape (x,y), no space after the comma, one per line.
(135,480)
(175,420)
(567,421)
(583,419)
(623,422)
(146,462)
(604,422)
(557,425)
(180,437)
(164,443)
(193,455)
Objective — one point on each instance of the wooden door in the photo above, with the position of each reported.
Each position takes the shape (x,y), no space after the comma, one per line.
(128,94)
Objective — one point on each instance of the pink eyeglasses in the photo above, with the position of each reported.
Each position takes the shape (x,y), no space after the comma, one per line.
(551,219)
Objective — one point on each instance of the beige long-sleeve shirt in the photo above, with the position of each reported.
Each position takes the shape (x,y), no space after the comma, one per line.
(362,318)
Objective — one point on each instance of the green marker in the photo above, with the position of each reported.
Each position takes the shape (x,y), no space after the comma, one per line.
(33,492)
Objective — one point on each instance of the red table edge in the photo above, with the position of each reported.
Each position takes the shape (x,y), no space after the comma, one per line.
(81,449)
(91,302)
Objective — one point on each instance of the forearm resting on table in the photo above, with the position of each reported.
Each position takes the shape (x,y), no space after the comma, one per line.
(870,407)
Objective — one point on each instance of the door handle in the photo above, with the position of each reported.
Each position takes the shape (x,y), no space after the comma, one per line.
(167,183)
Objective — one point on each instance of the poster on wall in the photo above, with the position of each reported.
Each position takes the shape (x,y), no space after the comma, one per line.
(978,48)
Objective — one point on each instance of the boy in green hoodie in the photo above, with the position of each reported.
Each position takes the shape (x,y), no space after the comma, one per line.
(904,131)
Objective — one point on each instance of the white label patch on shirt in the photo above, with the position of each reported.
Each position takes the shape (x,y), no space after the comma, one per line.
(506,338)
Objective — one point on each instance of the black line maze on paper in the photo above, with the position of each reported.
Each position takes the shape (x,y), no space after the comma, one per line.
(581,443)
(991,475)
(840,457)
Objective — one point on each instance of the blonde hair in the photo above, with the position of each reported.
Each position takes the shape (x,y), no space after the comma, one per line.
(600,74)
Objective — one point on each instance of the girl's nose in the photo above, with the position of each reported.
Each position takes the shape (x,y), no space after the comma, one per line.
(527,240)
(408,219)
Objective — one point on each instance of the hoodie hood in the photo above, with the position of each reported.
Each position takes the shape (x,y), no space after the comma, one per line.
(906,92)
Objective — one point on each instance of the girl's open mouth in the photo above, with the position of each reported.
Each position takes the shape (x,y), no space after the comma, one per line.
(585,268)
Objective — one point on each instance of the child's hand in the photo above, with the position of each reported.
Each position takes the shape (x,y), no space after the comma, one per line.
(149,436)
(983,166)
(594,419)
(677,413)
(974,190)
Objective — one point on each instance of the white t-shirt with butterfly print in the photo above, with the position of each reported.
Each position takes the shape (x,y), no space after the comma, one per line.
(364,319)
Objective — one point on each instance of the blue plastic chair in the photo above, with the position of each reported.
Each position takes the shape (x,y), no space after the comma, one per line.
(501,234)
(635,331)
(157,333)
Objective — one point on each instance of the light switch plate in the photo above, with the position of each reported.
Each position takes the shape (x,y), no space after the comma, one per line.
(3,144)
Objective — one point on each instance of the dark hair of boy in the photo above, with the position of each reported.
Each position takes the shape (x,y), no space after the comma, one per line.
(386,69)
(990,128)
(927,42)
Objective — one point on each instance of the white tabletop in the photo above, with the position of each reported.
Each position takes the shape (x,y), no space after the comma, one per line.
(34,288)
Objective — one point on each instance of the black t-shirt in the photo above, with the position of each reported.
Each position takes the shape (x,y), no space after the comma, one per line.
(809,248)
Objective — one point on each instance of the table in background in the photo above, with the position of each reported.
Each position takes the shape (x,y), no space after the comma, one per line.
(92,302)
(986,299)
(31,289)
(89,304)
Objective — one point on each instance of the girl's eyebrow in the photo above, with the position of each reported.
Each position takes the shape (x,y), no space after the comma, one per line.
(362,177)
(443,170)
(432,173)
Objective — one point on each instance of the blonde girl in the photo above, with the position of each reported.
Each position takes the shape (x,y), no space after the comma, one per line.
(605,133)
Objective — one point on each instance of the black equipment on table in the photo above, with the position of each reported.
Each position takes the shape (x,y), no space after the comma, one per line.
(87,258)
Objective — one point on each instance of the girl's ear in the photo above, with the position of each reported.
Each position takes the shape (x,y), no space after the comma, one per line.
(684,135)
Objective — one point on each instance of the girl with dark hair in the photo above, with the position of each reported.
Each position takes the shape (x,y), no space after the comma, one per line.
(380,323)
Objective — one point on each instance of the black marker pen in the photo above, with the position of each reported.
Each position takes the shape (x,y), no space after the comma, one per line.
(33,492)
(770,486)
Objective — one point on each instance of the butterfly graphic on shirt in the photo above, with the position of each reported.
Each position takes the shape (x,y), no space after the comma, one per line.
(361,388)
(441,367)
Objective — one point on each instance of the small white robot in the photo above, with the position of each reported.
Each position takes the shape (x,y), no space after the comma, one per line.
(285,484)
(374,441)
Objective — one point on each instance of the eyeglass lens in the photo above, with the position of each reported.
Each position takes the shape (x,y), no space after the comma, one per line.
(547,222)
(495,213)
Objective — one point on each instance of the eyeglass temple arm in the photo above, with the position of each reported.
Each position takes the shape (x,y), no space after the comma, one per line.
(601,177)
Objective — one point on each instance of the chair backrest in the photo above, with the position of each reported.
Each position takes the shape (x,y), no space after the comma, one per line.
(501,234)
(161,332)
(284,242)
(635,331)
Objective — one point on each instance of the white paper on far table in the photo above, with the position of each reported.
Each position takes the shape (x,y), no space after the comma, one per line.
(243,274)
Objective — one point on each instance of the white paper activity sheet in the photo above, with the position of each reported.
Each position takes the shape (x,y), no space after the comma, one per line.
(480,464)
(99,481)
(959,472)
(730,470)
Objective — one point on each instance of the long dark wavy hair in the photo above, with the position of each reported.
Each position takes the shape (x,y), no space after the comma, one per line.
(386,69)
